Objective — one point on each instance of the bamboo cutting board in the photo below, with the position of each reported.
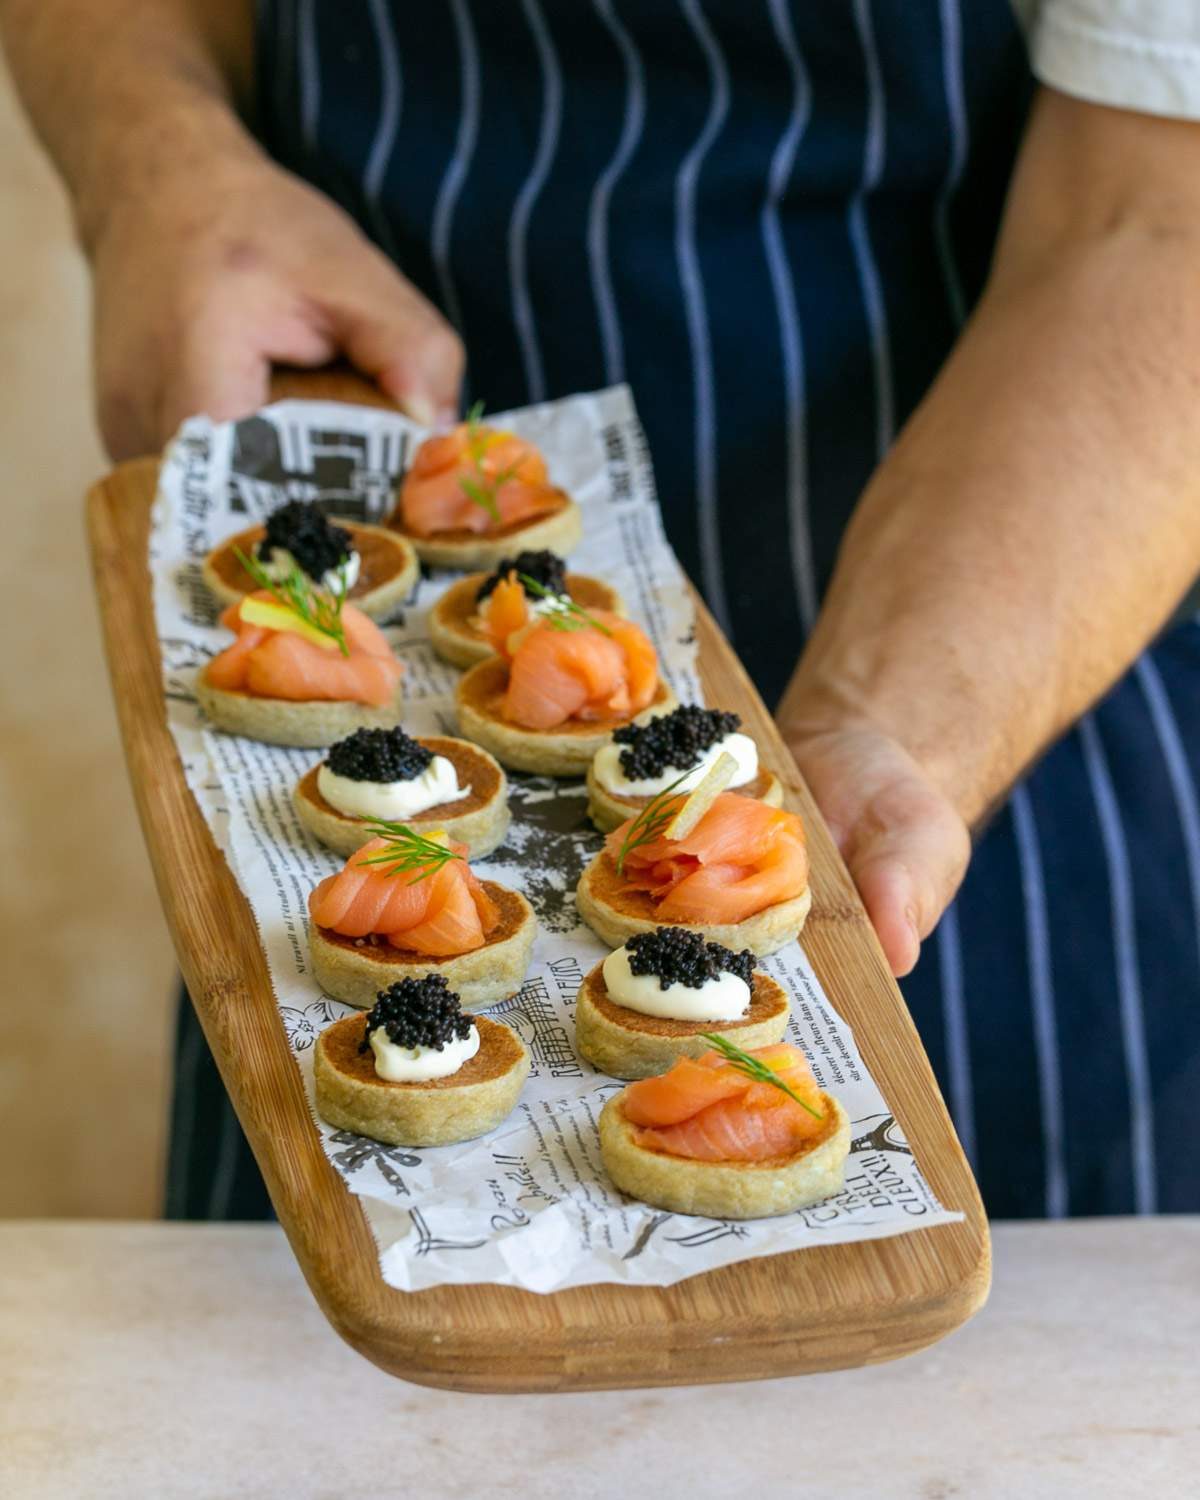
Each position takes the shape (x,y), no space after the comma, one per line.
(816,1309)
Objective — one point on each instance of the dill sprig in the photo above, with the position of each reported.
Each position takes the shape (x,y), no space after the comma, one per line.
(755,1069)
(477,487)
(565,614)
(649,823)
(318,608)
(407,851)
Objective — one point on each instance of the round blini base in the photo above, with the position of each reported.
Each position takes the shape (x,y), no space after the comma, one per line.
(438,1112)
(280,721)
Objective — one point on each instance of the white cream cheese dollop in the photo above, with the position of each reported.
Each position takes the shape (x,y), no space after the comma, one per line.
(725,998)
(419,1064)
(611,776)
(281,562)
(393,801)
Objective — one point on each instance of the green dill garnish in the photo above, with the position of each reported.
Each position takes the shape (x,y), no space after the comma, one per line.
(407,851)
(564,614)
(318,608)
(755,1069)
(649,823)
(477,487)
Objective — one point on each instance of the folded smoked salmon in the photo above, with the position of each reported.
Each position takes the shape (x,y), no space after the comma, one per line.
(405,904)
(706,1109)
(740,876)
(474,478)
(601,666)
(285,664)
(742,856)
(440,908)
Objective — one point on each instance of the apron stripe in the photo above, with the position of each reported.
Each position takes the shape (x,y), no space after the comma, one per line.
(1133,1034)
(309,67)
(1041,993)
(522,305)
(597,227)
(391,100)
(791,342)
(1178,771)
(860,236)
(954,1020)
(460,162)
(692,285)
(952,80)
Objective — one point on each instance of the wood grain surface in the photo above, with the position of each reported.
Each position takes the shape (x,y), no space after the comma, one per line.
(817,1309)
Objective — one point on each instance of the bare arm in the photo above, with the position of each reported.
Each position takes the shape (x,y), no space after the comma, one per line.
(1036,523)
(210,261)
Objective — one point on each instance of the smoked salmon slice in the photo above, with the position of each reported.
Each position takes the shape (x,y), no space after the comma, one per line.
(281,664)
(741,857)
(707,1110)
(510,472)
(442,911)
(587,673)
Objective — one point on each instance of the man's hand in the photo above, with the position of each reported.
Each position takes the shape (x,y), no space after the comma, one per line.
(1034,525)
(198,294)
(903,842)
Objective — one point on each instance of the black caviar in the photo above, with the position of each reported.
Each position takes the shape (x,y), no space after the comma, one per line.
(379,755)
(417,1013)
(672,741)
(318,546)
(676,956)
(546,568)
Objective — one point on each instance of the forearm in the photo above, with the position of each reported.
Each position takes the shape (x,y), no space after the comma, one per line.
(124,92)
(1040,516)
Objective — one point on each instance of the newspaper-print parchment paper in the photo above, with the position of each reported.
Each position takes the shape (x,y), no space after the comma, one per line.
(528,1205)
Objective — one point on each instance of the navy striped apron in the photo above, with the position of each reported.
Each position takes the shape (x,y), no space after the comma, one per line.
(771,218)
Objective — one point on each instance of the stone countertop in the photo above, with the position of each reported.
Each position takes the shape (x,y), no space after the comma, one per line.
(155,1360)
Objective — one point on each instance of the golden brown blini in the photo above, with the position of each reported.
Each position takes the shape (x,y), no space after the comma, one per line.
(625,1043)
(388,567)
(557,530)
(608,810)
(434,1112)
(453,620)
(720,1189)
(566,750)
(281,721)
(356,969)
(614,912)
(479,819)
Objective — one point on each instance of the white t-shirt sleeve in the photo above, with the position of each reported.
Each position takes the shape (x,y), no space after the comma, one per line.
(1131,54)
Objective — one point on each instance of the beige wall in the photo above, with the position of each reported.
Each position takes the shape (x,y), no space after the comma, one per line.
(85,966)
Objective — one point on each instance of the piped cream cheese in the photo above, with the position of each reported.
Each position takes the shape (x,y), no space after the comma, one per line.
(723,998)
(392,801)
(611,776)
(281,562)
(419,1064)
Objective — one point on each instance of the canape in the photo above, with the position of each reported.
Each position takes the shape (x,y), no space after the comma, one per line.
(730,1135)
(457,627)
(406,904)
(661,994)
(375,567)
(306,669)
(561,683)
(727,866)
(643,759)
(434,781)
(415,1071)
(472,493)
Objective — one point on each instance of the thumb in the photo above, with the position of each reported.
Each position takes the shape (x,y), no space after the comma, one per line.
(403,343)
(907,855)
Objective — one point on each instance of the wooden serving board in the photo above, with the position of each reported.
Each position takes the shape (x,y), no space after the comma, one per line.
(814,1309)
